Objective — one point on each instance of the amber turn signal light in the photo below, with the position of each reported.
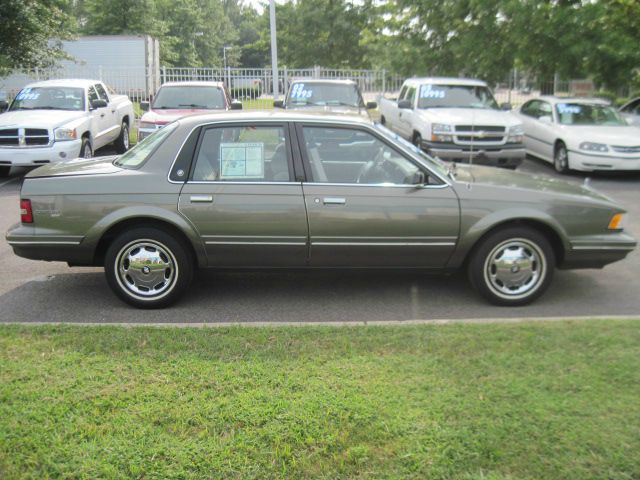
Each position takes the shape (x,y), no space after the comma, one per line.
(615,222)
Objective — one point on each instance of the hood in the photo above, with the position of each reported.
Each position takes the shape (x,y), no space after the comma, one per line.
(499,177)
(623,136)
(79,166)
(165,116)
(39,118)
(465,116)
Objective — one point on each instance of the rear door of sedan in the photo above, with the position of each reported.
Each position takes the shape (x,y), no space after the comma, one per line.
(364,207)
(242,197)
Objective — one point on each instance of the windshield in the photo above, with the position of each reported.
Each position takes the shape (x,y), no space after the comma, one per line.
(138,154)
(588,114)
(49,98)
(436,164)
(189,97)
(323,94)
(455,96)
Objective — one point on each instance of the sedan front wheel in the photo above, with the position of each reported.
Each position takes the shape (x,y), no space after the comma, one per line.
(148,268)
(561,158)
(512,266)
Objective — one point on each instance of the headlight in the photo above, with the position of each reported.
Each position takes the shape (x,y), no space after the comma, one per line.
(62,134)
(515,134)
(594,147)
(437,131)
(148,125)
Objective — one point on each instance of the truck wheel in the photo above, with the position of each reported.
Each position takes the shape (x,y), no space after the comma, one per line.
(4,171)
(85,150)
(512,266)
(417,140)
(148,267)
(561,158)
(122,142)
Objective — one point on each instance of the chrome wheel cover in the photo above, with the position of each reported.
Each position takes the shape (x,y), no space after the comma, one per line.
(125,136)
(561,160)
(515,268)
(146,269)
(87,151)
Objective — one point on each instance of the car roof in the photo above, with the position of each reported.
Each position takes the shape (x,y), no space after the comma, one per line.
(276,116)
(587,100)
(65,82)
(446,81)
(342,81)
(193,84)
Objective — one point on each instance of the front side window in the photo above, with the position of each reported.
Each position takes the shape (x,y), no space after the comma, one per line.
(242,154)
(455,96)
(588,114)
(343,155)
(49,98)
(101,92)
(93,95)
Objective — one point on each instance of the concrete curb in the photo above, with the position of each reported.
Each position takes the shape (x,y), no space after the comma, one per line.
(335,324)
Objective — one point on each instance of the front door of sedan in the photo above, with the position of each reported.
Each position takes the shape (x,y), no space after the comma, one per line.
(242,199)
(537,120)
(364,206)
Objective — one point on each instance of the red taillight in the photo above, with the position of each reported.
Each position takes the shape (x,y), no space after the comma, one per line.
(26,214)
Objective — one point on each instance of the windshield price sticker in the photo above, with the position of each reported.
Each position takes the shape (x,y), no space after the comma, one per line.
(241,160)
(427,91)
(298,91)
(27,94)
(564,108)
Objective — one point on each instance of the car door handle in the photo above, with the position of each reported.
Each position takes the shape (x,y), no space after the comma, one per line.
(101,115)
(334,201)
(113,111)
(201,198)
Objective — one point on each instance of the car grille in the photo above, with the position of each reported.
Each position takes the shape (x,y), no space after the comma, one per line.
(479,134)
(23,137)
(479,128)
(626,149)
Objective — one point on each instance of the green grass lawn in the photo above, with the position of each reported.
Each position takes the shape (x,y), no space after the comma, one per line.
(513,401)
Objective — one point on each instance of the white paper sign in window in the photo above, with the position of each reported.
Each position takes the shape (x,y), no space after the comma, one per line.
(241,161)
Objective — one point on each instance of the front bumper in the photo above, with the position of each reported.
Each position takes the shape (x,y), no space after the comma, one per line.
(596,251)
(593,162)
(36,156)
(509,156)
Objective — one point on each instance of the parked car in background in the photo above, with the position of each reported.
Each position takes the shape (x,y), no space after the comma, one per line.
(455,119)
(56,120)
(335,96)
(177,99)
(289,190)
(579,134)
(631,111)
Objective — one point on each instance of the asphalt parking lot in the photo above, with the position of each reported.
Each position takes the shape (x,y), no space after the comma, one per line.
(33,291)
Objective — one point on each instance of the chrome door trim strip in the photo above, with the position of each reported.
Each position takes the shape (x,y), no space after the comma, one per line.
(215,242)
(41,242)
(384,244)
(622,247)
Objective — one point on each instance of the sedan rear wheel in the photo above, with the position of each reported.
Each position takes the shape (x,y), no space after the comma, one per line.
(561,158)
(512,266)
(148,268)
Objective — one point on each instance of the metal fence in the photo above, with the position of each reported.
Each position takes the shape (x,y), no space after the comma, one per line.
(254,86)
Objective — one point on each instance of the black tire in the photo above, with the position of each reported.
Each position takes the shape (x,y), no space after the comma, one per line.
(86,151)
(561,158)
(525,272)
(4,171)
(417,140)
(149,246)
(122,142)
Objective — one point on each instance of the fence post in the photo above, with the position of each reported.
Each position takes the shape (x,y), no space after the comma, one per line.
(384,80)
(555,82)
(163,75)
(100,72)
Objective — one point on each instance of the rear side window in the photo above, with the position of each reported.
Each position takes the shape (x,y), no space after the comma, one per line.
(243,154)
(138,154)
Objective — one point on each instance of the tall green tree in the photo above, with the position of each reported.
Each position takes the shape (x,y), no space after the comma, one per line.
(29,30)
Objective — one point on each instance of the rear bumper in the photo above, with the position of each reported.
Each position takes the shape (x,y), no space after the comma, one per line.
(36,156)
(598,252)
(497,156)
(26,244)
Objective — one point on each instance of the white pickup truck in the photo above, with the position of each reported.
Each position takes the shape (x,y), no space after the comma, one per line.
(56,120)
(455,119)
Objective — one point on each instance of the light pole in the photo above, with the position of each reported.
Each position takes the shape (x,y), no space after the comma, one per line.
(274,47)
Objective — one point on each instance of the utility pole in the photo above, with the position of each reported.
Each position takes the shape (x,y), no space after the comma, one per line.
(274,47)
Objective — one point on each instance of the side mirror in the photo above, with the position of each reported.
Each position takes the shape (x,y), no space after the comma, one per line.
(278,104)
(144,106)
(405,105)
(506,106)
(99,103)
(546,119)
(418,178)
(236,105)
(3,106)
(372,105)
